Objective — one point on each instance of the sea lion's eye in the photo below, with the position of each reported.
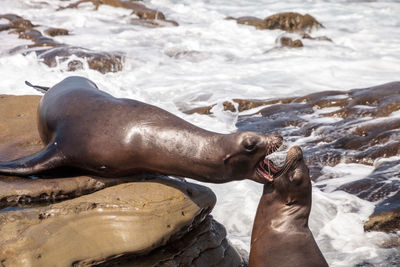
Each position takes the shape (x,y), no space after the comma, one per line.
(249,145)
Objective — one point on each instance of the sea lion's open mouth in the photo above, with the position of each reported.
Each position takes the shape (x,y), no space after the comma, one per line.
(267,169)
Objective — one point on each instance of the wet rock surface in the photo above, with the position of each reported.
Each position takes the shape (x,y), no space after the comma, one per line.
(146,16)
(204,245)
(354,126)
(132,218)
(289,42)
(291,22)
(53,53)
(145,220)
(101,61)
(287,21)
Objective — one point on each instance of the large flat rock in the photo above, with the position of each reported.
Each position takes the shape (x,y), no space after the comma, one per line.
(132,218)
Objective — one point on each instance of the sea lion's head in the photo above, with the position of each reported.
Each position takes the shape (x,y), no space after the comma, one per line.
(246,158)
(291,183)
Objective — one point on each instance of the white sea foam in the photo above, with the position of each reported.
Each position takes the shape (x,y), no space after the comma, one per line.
(208,60)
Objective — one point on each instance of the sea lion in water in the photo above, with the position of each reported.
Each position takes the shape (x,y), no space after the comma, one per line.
(90,130)
(280,235)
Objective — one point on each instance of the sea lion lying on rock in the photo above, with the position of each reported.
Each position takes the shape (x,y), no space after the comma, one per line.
(87,129)
(281,236)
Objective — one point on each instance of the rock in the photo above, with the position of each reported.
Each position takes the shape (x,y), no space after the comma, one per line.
(292,22)
(101,61)
(318,38)
(388,221)
(133,218)
(288,42)
(28,192)
(252,21)
(141,11)
(19,135)
(287,21)
(153,23)
(205,245)
(53,52)
(25,29)
(56,32)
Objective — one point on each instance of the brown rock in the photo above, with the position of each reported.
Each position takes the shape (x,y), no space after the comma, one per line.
(288,42)
(4,27)
(138,9)
(318,38)
(292,22)
(56,32)
(205,245)
(387,222)
(153,23)
(101,61)
(243,104)
(132,218)
(287,21)
(252,21)
(28,192)
(18,136)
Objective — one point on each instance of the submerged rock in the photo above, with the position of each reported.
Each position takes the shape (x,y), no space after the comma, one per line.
(101,61)
(287,21)
(288,42)
(291,22)
(56,32)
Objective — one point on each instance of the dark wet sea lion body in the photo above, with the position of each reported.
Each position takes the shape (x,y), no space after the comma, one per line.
(280,236)
(88,129)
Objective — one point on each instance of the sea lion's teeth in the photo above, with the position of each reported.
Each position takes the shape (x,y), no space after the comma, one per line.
(269,166)
(263,172)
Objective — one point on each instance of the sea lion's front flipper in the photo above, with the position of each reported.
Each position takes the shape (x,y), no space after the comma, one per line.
(46,159)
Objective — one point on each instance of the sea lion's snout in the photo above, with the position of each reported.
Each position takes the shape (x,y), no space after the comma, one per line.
(294,154)
(293,158)
(273,141)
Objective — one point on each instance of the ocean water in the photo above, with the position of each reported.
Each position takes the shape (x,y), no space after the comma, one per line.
(208,60)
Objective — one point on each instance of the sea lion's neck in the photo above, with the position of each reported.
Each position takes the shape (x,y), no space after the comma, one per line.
(275,216)
(200,157)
